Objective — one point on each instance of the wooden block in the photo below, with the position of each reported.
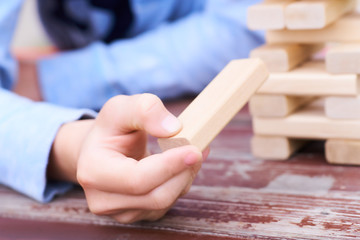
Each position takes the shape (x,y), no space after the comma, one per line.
(343,30)
(284,57)
(311,79)
(218,103)
(275,148)
(262,105)
(315,14)
(343,58)
(309,122)
(339,151)
(342,107)
(267,15)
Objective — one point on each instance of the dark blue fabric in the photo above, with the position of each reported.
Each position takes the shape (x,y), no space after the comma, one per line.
(69,24)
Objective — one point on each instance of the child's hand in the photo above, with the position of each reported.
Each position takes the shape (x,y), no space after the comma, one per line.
(118,175)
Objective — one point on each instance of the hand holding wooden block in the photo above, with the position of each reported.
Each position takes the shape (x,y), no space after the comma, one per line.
(218,103)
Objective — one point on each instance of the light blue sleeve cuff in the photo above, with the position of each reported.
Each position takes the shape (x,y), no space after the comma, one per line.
(27,131)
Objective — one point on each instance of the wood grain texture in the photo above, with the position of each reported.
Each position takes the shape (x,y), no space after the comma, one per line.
(309,123)
(262,105)
(284,57)
(316,14)
(218,103)
(311,79)
(343,30)
(339,151)
(267,15)
(343,58)
(342,107)
(275,148)
(235,196)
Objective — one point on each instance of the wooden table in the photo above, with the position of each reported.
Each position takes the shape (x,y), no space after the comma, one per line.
(234,196)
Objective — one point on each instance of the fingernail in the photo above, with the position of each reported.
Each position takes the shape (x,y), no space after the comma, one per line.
(171,124)
(191,159)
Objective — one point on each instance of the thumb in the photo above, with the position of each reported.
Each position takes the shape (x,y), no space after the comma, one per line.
(125,114)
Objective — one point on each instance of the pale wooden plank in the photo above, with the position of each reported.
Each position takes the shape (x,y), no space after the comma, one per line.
(342,107)
(267,15)
(312,79)
(309,123)
(262,105)
(343,30)
(218,103)
(343,58)
(284,57)
(275,147)
(340,151)
(316,14)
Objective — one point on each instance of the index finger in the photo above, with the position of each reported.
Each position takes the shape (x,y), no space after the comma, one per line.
(119,174)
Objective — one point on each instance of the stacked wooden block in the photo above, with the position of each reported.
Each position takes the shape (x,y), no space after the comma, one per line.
(308,97)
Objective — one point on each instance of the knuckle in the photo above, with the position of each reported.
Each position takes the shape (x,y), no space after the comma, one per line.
(114,103)
(147,102)
(115,100)
(84,178)
(107,111)
(96,207)
(161,200)
(134,186)
(137,185)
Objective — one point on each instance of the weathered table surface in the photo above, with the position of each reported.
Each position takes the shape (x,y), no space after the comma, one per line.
(234,196)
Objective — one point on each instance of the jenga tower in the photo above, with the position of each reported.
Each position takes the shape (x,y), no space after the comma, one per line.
(308,97)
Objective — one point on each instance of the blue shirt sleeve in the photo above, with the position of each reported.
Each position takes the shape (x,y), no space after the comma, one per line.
(27,129)
(174,58)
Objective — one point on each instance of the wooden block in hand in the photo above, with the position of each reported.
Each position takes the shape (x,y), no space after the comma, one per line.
(262,105)
(343,30)
(267,15)
(311,79)
(338,151)
(284,57)
(342,107)
(275,148)
(218,103)
(315,14)
(309,122)
(343,58)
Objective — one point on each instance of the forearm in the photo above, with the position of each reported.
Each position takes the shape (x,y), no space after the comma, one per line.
(65,150)
(27,132)
(173,59)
